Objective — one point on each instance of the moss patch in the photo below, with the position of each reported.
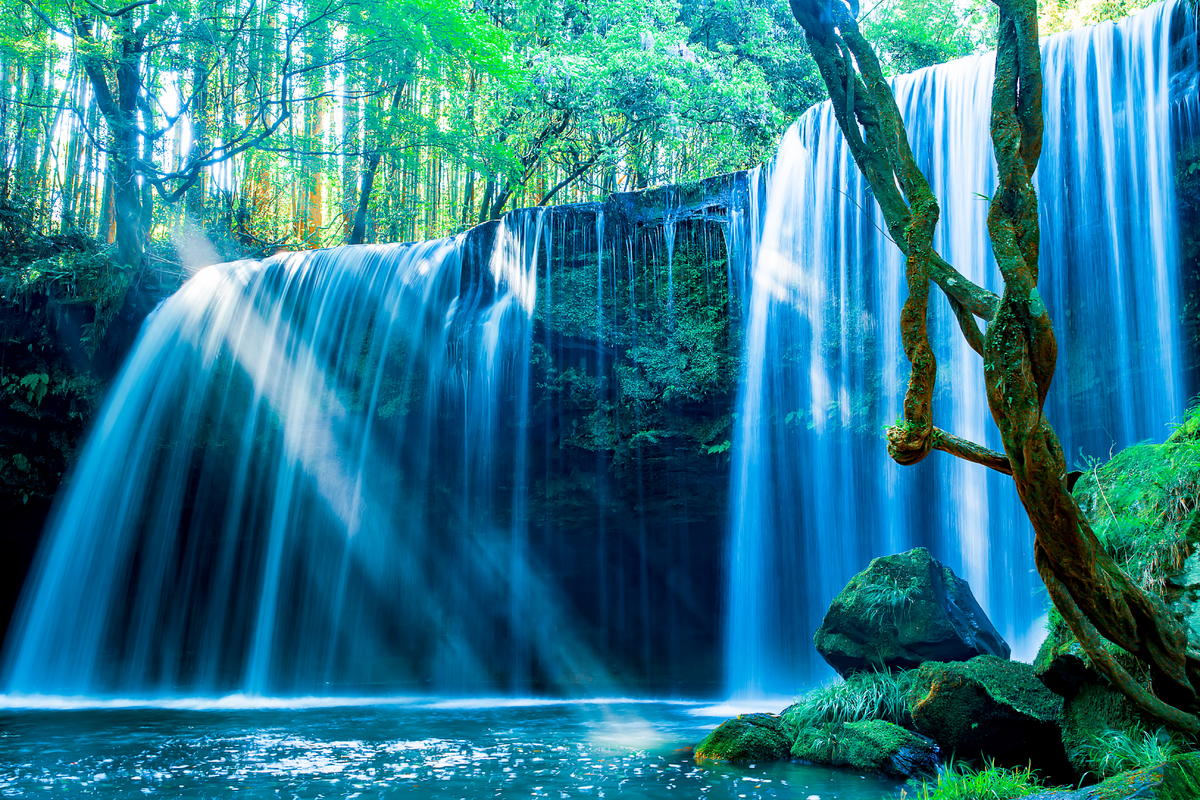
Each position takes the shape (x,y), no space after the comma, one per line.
(868,746)
(748,738)
(990,707)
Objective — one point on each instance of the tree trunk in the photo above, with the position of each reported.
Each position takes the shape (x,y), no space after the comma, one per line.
(371,167)
(486,206)
(130,235)
(200,136)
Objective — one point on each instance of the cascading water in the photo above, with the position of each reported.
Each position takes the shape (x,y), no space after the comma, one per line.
(494,463)
(814,495)
(366,470)
(296,484)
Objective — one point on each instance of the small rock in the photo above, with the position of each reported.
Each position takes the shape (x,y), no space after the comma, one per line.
(747,738)
(902,611)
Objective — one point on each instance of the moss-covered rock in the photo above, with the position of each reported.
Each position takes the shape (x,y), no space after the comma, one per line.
(1178,779)
(748,738)
(1141,505)
(902,611)
(1089,714)
(872,746)
(991,707)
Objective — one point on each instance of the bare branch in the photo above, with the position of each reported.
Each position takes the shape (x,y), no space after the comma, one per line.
(969,451)
(120,12)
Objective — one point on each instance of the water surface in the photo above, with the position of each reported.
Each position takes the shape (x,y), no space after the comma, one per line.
(418,748)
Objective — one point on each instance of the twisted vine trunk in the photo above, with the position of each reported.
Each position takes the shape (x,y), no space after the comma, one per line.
(1097,599)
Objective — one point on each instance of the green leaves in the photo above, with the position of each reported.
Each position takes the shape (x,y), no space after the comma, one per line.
(35,386)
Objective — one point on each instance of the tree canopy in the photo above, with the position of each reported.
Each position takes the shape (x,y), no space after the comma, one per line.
(327,121)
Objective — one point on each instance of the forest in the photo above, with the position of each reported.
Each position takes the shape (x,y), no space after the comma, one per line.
(270,125)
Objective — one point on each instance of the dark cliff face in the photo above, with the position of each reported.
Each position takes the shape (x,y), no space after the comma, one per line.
(51,382)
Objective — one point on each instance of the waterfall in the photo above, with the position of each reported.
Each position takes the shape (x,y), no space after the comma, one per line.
(505,461)
(310,474)
(814,496)
(395,468)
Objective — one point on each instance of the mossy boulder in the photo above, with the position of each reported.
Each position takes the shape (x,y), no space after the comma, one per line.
(874,746)
(748,738)
(1089,714)
(1142,507)
(902,611)
(1178,779)
(991,707)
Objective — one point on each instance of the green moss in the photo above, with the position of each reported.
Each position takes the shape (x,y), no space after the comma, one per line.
(991,707)
(1142,504)
(1016,685)
(641,352)
(872,746)
(1181,778)
(747,738)
(1176,779)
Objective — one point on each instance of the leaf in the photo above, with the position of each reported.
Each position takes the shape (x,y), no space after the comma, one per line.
(35,386)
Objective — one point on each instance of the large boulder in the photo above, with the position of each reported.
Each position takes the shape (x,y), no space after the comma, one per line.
(873,745)
(748,738)
(902,611)
(991,707)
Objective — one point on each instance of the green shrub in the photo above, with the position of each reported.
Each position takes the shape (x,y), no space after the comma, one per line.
(1142,503)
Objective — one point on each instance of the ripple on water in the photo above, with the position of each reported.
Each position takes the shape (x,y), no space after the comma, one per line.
(556,750)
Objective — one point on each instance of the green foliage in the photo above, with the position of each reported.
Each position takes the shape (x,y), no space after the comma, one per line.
(75,275)
(910,34)
(1115,751)
(886,599)
(644,359)
(35,386)
(862,696)
(1064,15)
(1142,503)
(961,781)
(1187,198)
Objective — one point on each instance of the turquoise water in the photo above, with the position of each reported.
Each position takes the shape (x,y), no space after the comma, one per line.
(418,748)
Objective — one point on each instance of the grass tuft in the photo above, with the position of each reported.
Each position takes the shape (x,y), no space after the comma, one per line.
(862,696)
(962,782)
(1119,751)
(887,599)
